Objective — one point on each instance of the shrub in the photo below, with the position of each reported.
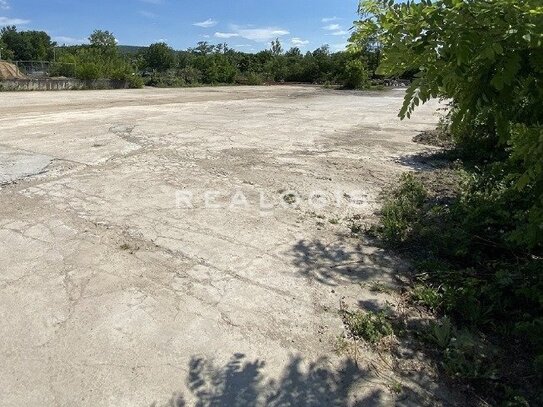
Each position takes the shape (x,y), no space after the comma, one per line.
(250,78)
(369,326)
(88,71)
(402,210)
(135,81)
(426,296)
(356,76)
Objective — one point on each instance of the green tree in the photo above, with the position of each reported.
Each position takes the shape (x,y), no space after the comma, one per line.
(487,56)
(276,47)
(102,39)
(355,75)
(27,45)
(160,56)
(202,48)
(5,52)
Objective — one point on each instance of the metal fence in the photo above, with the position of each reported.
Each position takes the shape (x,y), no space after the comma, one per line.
(46,69)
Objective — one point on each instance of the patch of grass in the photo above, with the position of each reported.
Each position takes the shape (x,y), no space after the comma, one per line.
(395,386)
(379,287)
(341,346)
(426,296)
(369,326)
(334,221)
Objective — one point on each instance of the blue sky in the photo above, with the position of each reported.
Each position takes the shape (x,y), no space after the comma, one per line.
(247,25)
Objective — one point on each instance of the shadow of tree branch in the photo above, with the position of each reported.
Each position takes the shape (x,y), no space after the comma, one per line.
(242,383)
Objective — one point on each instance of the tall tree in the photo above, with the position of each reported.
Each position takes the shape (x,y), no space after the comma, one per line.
(160,56)
(276,47)
(102,39)
(27,45)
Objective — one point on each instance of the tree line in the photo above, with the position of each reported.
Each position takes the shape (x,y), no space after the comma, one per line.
(160,65)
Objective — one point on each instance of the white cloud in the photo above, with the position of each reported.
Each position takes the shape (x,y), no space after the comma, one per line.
(330,19)
(207,23)
(332,27)
(339,47)
(298,42)
(62,40)
(12,21)
(226,35)
(4,5)
(336,29)
(263,34)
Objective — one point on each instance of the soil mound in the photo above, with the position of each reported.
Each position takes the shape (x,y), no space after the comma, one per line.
(9,71)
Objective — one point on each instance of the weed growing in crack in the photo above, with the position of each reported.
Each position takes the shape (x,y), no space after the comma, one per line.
(369,326)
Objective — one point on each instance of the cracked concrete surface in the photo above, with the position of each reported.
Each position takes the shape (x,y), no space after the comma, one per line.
(109,288)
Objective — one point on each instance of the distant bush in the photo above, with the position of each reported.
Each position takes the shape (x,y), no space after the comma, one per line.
(250,78)
(356,75)
(162,80)
(135,81)
(88,71)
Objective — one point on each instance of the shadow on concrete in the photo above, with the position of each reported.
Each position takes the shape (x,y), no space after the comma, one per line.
(425,161)
(339,262)
(241,383)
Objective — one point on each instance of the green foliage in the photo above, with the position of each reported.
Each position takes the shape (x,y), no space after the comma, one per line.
(440,333)
(26,45)
(356,76)
(160,57)
(250,78)
(102,39)
(463,355)
(487,57)
(466,357)
(88,71)
(402,209)
(99,60)
(6,54)
(485,280)
(426,296)
(206,63)
(369,326)
(135,81)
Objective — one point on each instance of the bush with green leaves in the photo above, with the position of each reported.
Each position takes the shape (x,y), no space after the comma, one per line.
(88,71)
(487,57)
(356,75)
(402,209)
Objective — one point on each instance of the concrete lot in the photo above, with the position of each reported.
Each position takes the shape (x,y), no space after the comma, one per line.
(120,286)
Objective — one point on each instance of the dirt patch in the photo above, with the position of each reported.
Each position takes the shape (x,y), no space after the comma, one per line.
(10,71)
